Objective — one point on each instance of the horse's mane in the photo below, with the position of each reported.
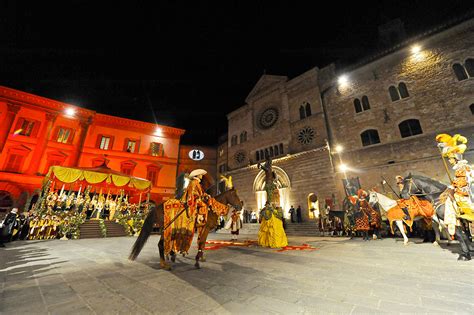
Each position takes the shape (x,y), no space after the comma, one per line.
(437,184)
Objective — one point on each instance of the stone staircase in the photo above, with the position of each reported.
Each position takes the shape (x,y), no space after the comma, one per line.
(307,228)
(91,229)
(247,228)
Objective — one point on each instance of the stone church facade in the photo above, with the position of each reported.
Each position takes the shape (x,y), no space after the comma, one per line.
(385,115)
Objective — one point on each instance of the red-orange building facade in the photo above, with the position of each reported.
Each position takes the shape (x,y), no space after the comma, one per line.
(36,133)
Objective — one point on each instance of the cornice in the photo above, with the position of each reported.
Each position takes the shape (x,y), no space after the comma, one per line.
(107,120)
(23,98)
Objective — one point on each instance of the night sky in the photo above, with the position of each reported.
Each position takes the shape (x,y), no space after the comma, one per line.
(187,63)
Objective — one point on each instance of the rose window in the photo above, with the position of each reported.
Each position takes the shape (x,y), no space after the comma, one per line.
(306,135)
(268,118)
(239,157)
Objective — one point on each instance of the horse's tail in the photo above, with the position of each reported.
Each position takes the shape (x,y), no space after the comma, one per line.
(144,233)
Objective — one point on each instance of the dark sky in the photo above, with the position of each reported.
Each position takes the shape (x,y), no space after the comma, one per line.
(189,62)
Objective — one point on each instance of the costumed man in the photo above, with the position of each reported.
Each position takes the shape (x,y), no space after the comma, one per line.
(235,224)
(182,231)
(362,214)
(459,204)
(400,183)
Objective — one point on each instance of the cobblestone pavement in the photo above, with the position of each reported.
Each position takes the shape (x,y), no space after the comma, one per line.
(93,276)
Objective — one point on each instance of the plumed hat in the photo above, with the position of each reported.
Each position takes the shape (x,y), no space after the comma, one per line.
(227,181)
(362,193)
(452,147)
(197,172)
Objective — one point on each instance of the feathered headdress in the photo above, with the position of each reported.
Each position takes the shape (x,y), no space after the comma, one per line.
(228,181)
(452,147)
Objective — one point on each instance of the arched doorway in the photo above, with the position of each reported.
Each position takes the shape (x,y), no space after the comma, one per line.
(313,206)
(6,202)
(283,185)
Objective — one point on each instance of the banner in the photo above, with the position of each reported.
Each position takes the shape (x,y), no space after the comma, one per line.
(351,185)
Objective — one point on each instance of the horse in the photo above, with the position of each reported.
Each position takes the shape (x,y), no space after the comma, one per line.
(436,192)
(156,218)
(394,213)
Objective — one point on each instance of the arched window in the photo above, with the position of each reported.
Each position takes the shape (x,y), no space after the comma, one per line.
(243,136)
(281,148)
(472,108)
(393,93)
(402,89)
(302,112)
(460,72)
(470,67)
(257,156)
(308,110)
(275,148)
(233,140)
(266,153)
(365,103)
(410,128)
(271,151)
(262,155)
(370,137)
(357,105)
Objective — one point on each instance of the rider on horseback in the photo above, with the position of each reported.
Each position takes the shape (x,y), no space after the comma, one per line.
(400,184)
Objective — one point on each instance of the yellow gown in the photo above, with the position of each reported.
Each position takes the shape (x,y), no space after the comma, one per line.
(271,233)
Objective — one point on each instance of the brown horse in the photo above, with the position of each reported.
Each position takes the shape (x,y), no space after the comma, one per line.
(156,218)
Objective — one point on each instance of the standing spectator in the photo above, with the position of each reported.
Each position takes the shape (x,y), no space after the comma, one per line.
(292,214)
(298,214)
(10,226)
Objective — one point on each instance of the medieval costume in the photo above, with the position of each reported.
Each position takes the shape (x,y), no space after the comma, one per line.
(10,226)
(362,214)
(271,233)
(235,224)
(459,203)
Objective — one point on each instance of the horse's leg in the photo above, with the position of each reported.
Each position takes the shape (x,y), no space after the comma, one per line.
(173,256)
(436,228)
(161,248)
(399,223)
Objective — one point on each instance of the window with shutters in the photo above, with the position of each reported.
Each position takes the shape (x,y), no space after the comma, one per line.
(156,149)
(131,145)
(104,143)
(152,174)
(127,167)
(64,135)
(14,163)
(25,127)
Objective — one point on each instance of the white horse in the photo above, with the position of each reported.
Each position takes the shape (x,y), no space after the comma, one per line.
(386,204)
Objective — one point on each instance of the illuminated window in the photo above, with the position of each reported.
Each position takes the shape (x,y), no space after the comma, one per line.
(156,149)
(25,127)
(104,143)
(64,135)
(370,137)
(131,144)
(410,127)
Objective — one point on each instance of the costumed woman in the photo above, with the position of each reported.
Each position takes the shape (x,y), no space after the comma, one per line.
(271,233)
(459,205)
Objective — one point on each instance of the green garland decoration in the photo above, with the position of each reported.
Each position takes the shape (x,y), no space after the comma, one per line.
(103,228)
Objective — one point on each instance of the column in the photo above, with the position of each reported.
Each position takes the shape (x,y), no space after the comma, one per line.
(85,124)
(43,138)
(6,125)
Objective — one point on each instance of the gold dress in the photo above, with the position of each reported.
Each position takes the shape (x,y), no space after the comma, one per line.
(271,233)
